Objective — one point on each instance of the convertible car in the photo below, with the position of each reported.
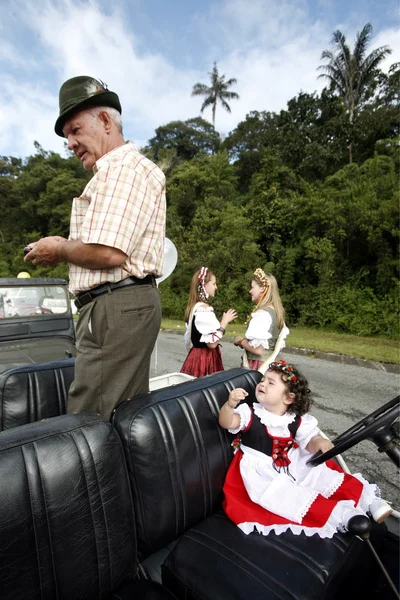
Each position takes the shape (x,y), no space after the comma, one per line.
(36,322)
(132,508)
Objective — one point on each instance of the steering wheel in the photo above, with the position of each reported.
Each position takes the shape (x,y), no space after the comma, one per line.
(362,430)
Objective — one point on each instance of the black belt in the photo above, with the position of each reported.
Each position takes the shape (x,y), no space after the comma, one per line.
(86,297)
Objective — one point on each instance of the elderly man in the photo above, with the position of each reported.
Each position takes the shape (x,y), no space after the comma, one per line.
(115,250)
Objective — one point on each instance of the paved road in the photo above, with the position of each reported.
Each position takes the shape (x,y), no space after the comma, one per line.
(343,394)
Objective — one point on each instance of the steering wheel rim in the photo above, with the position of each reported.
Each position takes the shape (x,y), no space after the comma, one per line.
(362,430)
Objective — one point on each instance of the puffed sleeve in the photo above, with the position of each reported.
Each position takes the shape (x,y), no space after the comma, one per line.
(258,330)
(243,410)
(307,430)
(207,324)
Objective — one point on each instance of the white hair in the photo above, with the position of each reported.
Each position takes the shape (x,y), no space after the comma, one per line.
(114,115)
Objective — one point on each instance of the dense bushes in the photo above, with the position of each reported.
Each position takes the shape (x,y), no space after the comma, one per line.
(278,195)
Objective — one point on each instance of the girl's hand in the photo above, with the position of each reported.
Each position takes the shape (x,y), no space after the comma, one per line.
(319,443)
(227,317)
(236,396)
(324,445)
(238,340)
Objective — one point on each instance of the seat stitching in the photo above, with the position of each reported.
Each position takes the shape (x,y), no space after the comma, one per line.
(271,543)
(241,556)
(75,435)
(178,491)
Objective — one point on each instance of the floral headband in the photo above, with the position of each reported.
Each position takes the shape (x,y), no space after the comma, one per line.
(261,278)
(203,294)
(283,367)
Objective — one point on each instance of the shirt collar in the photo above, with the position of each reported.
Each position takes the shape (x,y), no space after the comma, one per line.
(116,153)
(268,418)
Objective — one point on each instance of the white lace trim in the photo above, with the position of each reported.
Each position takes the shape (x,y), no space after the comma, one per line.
(302,513)
(370,492)
(269,418)
(256,342)
(333,525)
(335,485)
(204,308)
(324,532)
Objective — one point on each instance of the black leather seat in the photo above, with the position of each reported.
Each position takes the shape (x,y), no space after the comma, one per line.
(178,505)
(66,516)
(34,392)
(215,560)
(175,431)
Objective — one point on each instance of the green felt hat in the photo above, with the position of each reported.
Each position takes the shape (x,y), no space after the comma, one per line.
(83,92)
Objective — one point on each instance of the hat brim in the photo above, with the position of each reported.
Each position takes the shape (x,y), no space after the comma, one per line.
(106,98)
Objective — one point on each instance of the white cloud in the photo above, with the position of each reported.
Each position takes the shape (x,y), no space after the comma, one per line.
(273,50)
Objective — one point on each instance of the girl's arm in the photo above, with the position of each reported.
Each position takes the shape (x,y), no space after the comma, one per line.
(244,343)
(318,443)
(228,419)
(257,330)
(227,317)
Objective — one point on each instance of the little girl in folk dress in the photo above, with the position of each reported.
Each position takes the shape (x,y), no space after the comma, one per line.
(203,330)
(266,332)
(268,486)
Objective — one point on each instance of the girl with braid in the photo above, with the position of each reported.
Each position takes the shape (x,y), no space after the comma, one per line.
(203,330)
(266,329)
(269,486)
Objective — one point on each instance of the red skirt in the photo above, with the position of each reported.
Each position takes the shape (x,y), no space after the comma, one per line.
(203,361)
(240,508)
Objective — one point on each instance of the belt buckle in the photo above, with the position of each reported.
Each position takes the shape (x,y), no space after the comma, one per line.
(83,299)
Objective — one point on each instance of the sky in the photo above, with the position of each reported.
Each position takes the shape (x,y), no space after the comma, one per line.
(152,52)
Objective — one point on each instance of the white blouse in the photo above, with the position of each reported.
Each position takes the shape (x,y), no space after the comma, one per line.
(258,329)
(278,424)
(206,323)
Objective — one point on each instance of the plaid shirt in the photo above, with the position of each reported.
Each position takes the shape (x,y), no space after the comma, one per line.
(122,206)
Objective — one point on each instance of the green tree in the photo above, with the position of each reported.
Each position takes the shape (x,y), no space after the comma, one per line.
(247,142)
(352,74)
(216,92)
(188,139)
(312,133)
(195,180)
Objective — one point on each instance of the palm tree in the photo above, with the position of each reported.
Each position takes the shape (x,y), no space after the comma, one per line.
(351,73)
(218,91)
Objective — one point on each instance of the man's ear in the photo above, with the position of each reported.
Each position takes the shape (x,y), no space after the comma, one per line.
(290,398)
(106,120)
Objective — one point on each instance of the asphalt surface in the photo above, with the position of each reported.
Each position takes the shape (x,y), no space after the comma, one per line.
(343,394)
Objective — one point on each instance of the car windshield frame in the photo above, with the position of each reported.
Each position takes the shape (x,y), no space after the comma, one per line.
(37,300)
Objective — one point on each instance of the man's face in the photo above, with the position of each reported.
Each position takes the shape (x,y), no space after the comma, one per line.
(86,136)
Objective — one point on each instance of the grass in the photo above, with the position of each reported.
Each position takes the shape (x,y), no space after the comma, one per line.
(371,348)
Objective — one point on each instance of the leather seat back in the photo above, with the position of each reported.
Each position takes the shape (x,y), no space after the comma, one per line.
(177,454)
(34,392)
(66,515)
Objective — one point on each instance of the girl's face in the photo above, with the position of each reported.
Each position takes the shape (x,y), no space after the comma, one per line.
(272,393)
(211,286)
(255,291)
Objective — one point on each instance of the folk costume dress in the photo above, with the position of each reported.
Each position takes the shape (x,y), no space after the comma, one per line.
(202,329)
(263,331)
(269,487)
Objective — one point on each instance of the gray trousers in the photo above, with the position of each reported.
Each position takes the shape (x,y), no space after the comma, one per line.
(115,336)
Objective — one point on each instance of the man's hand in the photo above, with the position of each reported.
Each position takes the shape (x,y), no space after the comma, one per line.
(45,251)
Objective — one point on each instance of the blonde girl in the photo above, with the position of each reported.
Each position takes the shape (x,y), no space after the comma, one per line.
(266,329)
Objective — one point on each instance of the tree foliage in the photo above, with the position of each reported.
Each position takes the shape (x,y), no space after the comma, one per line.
(278,193)
(353,75)
(216,92)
